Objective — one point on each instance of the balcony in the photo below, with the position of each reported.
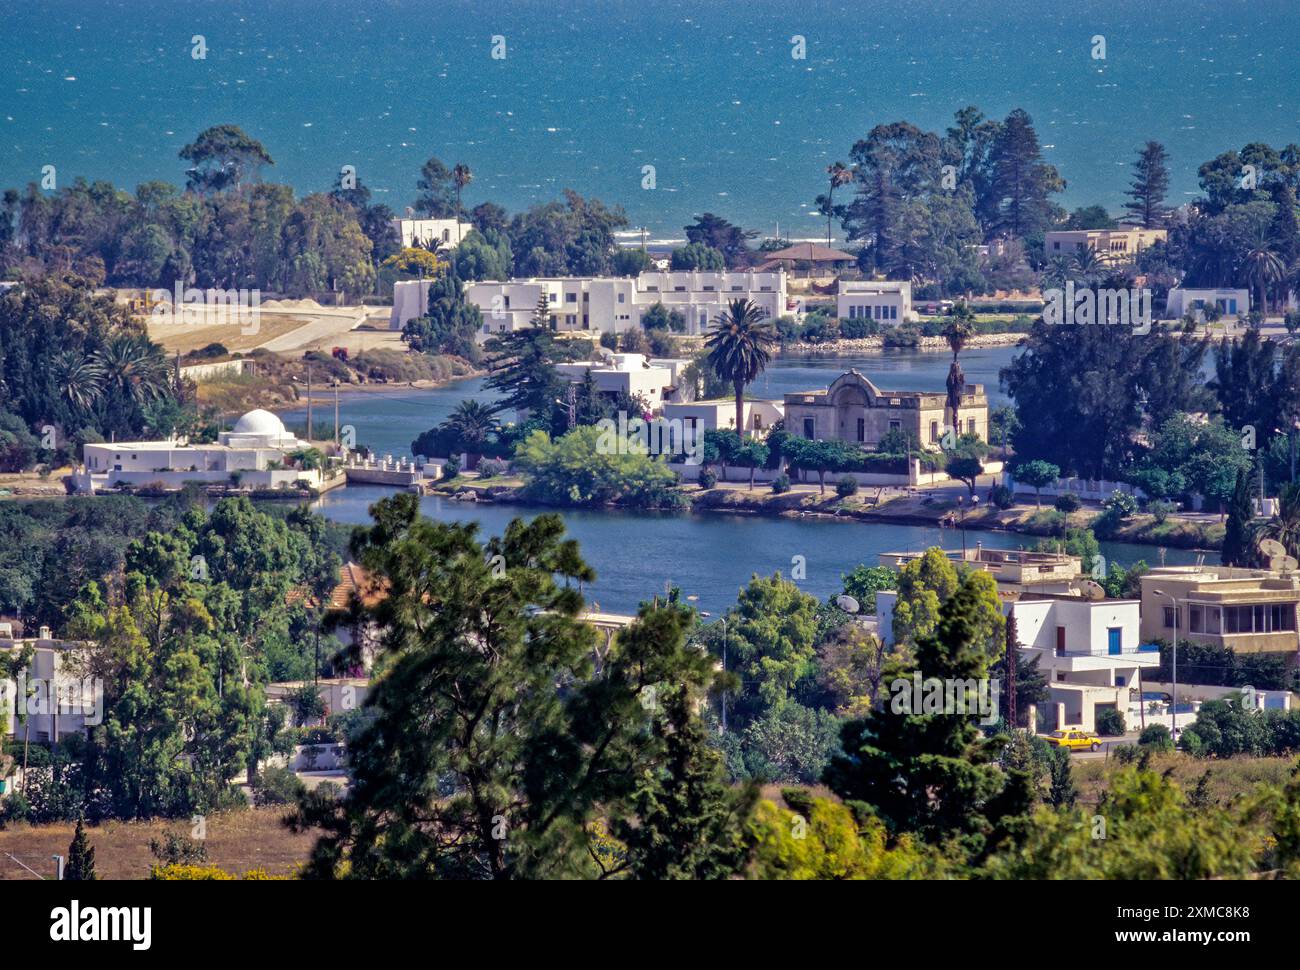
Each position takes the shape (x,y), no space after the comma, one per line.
(1078,659)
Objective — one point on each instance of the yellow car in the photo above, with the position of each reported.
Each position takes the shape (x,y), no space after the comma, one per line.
(1074,740)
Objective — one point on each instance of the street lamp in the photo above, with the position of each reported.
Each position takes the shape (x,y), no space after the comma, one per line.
(1173,708)
(706,615)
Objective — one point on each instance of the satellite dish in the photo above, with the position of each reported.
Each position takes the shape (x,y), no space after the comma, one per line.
(847,603)
(1272,548)
(1091,590)
(1283,564)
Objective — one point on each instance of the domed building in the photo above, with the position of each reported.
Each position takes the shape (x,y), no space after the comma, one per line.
(259,429)
(256,453)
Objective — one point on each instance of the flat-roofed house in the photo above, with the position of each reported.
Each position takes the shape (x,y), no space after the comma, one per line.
(719,414)
(1112,246)
(1090,651)
(1231,301)
(431,233)
(630,374)
(1245,610)
(854,410)
(1015,570)
(885,301)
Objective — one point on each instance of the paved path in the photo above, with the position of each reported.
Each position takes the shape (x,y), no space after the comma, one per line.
(322,326)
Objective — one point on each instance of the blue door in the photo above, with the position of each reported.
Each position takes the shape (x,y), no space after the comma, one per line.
(1114,640)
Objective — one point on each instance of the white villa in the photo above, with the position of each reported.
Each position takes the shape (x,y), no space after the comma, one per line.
(253,452)
(431,233)
(605,304)
(885,301)
(655,382)
(58,699)
(1089,651)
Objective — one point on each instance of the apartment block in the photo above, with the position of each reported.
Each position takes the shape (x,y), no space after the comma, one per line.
(604,304)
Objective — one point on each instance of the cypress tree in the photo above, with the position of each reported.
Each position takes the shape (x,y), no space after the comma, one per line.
(1238,533)
(80,866)
(689,821)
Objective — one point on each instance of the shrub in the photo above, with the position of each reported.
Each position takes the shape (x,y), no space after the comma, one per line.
(1110,723)
(1120,505)
(491,468)
(276,786)
(1001,497)
(1125,754)
(846,486)
(708,478)
(1157,737)
(1161,510)
(780,484)
(1067,503)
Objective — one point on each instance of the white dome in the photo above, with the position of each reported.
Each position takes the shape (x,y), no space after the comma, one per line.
(259,422)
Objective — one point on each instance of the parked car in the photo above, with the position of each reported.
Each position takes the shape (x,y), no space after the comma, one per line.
(1074,739)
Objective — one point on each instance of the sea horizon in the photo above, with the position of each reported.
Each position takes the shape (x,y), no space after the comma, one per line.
(588,93)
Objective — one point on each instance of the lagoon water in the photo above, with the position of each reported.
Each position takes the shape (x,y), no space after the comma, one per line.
(591,91)
(709,555)
(635,554)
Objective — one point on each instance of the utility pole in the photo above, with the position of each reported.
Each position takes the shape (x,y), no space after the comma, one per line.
(309,400)
(336,413)
(724,670)
(1013,649)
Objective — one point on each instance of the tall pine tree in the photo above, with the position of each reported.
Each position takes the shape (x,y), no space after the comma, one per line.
(934,774)
(1149,186)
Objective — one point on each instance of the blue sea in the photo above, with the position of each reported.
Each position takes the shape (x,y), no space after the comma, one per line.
(589,91)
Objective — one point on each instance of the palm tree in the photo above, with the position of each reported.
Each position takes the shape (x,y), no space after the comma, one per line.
(840,174)
(740,343)
(462,176)
(1263,267)
(959,329)
(1087,263)
(134,366)
(80,378)
(1285,528)
(472,422)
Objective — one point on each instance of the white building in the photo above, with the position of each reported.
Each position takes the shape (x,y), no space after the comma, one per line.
(52,694)
(1230,301)
(431,233)
(253,452)
(701,296)
(885,301)
(1089,651)
(630,374)
(605,304)
(720,414)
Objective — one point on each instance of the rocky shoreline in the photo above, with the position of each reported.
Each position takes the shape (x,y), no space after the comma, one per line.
(802,505)
(860,345)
